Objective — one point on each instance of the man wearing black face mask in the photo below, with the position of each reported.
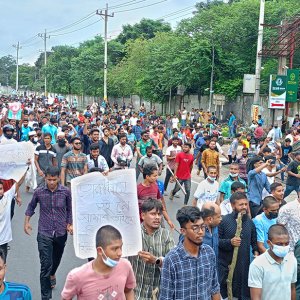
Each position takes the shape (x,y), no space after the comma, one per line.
(265,220)
(61,147)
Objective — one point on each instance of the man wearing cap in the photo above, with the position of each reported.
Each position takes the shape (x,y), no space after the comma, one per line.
(52,129)
(61,147)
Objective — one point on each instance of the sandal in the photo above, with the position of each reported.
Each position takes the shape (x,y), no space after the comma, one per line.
(53,282)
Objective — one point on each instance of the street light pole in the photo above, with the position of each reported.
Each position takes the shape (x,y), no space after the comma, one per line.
(259,48)
(17,71)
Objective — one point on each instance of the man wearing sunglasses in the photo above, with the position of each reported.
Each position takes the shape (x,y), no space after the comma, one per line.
(74,163)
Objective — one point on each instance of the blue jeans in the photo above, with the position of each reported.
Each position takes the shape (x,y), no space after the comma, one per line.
(279,167)
(289,189)
(231,131)
(183,123)
(169,132)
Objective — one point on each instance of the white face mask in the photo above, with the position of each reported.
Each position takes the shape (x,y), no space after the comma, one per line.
(211,178)
(280,251)
(35,139)
(233,175)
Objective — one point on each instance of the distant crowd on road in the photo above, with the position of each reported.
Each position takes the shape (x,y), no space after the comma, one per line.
(240,206)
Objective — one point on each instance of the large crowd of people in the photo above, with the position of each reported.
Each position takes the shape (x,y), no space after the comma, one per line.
(239,235)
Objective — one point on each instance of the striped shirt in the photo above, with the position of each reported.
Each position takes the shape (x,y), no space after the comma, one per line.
(74,164)
(55,210)
(148,275)
(15,291)
(45,156)
(185,277)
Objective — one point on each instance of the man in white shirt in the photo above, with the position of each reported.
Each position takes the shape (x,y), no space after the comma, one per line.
(5,216)
(171,153)
(175,122)
(121,153)
(273,274)
(183,117)
(133,120)
(95,160)
(208,189)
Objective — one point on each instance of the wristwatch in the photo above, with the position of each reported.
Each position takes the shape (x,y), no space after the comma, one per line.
(158,261)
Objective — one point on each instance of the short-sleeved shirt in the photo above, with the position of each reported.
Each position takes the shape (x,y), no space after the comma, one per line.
(262,225)
(286,150)
(52,130)
(273,278)
(206,192)
(87,284)
(152,160)
(225,187)
(142,146)
(45,156)
(185,161)
(13,291)
(172,151)
(294,167)
(74,164)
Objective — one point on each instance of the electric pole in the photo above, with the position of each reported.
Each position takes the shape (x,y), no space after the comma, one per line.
(106,15)
(211,91)
(45,37)
(18,47)
(259,48)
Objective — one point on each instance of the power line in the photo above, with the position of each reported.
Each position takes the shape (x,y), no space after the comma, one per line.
(130,3)
(187,14)
(74,23)
(75,29)
(177,12)
(135,8)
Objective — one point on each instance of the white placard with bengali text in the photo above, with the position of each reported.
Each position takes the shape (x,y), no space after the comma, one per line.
(99,200)
(14,158)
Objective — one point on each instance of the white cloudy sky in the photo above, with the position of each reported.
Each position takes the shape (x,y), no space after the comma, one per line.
(22,20)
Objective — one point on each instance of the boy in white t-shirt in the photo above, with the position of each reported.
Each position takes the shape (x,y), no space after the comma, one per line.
(5,216)
(208,189)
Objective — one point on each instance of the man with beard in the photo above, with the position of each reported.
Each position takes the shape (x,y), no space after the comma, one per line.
(121,153)
(106,145)
(157,242)
(228,241)
(61,148)
(74,163)
(95,160)
(189,270)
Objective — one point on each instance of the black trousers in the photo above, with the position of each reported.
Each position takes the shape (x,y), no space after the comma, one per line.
(51,250)
(167,178)
(3,247)
(254,209)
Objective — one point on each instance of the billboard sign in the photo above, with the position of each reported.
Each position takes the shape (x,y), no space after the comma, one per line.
(277,91)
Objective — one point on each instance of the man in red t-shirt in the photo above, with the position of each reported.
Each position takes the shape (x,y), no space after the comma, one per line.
(148,189)
(182,171)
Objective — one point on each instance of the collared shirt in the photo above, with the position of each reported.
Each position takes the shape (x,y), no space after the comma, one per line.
(212,239)
(45,156)
(55,210)
(256,183)
(74,164)
(262,225)
(121,151)
(289,216)
(225,187)
(148,275)
(210,158)
(100,163)
(185,277)
(48,128)
(273,278)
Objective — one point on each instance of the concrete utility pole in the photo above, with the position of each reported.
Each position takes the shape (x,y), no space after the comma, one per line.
(211,91)
(18,47)
(106,15)
(45,37)
(259,48)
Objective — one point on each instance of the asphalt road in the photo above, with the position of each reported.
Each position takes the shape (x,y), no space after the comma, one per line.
(23,259)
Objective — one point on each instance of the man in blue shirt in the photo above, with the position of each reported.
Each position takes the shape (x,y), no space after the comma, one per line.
(137,130)
(10,290)
(52,129)
(189,270)
(225,187)
(264,221)
(231,124)
(212,218)
(257,181)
